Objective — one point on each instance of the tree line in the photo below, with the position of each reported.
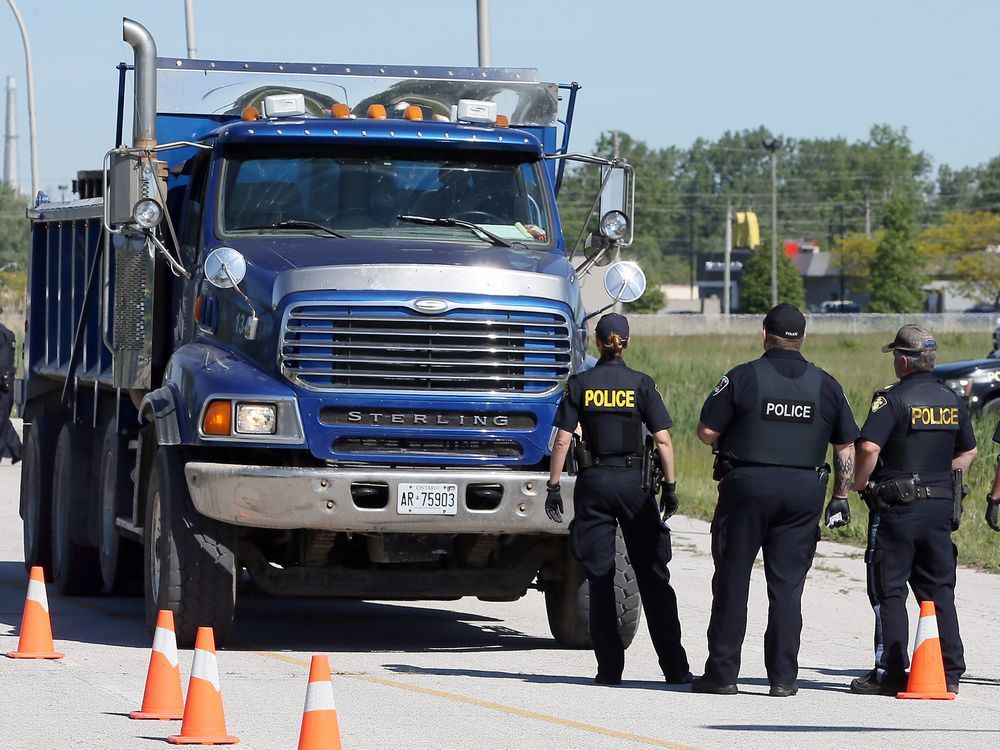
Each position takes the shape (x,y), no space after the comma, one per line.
(850,197)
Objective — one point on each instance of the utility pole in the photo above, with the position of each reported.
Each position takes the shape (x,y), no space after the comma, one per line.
(868,214)
(691,249)
(772,145)
(483,24)
(840,210)
(30,77)
(727,255)
(189,27)
(10,138)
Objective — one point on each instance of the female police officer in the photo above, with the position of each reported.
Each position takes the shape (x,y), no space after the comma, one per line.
(612,402)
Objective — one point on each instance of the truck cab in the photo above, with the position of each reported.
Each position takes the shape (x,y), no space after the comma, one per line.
(310,337)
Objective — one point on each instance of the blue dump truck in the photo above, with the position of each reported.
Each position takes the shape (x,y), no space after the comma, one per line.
(307,334)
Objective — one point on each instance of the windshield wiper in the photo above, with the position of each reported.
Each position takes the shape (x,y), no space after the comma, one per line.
(452,222)
(294,224)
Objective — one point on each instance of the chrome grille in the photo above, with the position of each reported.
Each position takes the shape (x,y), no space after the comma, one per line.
(327,347)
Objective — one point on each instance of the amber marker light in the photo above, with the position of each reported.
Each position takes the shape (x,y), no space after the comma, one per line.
(249,114)
(413,112)
(340,111)
(502,121)
(218,419)
(376,112)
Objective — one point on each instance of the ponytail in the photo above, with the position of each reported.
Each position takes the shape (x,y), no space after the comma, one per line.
(612,346)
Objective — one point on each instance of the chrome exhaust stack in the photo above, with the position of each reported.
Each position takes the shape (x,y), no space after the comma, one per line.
(142,43)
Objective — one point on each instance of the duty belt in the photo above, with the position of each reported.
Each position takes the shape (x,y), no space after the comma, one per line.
(618,462)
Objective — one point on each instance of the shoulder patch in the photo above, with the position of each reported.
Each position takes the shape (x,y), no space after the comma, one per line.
(721,385)
(878,402)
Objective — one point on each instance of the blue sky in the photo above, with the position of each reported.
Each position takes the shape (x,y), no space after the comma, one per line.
(666,72)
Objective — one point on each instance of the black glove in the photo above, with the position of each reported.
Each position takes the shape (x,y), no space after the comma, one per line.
(668,499)
(838,513)
(553,502)
(992,508)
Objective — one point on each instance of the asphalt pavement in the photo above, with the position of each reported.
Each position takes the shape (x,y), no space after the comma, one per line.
(471,674)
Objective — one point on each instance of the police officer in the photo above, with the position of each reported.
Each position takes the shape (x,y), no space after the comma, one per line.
(917,432)
(771,420)
(612,402)
(10,443)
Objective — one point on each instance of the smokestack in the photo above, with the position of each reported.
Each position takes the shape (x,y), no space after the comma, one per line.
(10,138)
(144,125)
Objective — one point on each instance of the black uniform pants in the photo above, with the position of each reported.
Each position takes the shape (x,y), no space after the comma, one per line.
(912,544)
(778,509)
(10,443)
(605,498)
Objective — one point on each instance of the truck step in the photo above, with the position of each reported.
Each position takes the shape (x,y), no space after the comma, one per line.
(129,529)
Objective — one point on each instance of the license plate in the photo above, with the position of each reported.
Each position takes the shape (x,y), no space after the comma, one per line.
(427,499)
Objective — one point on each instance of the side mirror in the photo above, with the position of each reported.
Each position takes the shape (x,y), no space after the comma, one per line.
(617,202)
(225,267)
(624,281)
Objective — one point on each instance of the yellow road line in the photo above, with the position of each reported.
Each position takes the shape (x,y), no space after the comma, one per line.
(502,707)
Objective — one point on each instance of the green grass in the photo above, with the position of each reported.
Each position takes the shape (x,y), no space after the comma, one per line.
(686,368)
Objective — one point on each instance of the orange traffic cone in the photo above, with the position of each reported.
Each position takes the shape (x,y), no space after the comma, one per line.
(320,730)
(204,719)
(162,698)
(36,630)
(927,679)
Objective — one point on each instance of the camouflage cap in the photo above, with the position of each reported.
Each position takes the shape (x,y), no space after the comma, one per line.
(913,339)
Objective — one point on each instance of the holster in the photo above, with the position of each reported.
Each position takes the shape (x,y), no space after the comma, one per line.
(723,465)
(958,493)
(652,468)
(582,454)
(823,475)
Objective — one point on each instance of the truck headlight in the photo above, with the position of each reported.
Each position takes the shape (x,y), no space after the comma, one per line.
(147,213)
(256,419)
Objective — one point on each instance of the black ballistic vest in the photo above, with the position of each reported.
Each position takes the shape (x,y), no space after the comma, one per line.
(786,427)
(609,410)
(924,440)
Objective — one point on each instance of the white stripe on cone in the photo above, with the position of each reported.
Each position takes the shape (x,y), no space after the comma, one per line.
(206,667)
(36,593)
(319,696)
(926,630)
(165,642)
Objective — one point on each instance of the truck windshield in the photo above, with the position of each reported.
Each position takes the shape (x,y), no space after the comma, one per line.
(363,195)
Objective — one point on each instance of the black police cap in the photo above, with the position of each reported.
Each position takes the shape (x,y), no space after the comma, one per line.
(612,323)
(785,320)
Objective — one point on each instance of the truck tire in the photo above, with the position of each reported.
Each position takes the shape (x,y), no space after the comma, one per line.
(567,603)
(76,569)
(36,492)
(189,560)
(120,558)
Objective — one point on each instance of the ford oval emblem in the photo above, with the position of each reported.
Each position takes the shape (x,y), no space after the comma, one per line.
(431,305)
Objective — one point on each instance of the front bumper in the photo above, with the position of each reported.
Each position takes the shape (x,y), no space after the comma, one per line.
(306,498)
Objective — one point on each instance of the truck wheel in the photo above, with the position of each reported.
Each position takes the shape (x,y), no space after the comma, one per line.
(189,560)
(567,603)
(121,559)
(76,569)
(36,492)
